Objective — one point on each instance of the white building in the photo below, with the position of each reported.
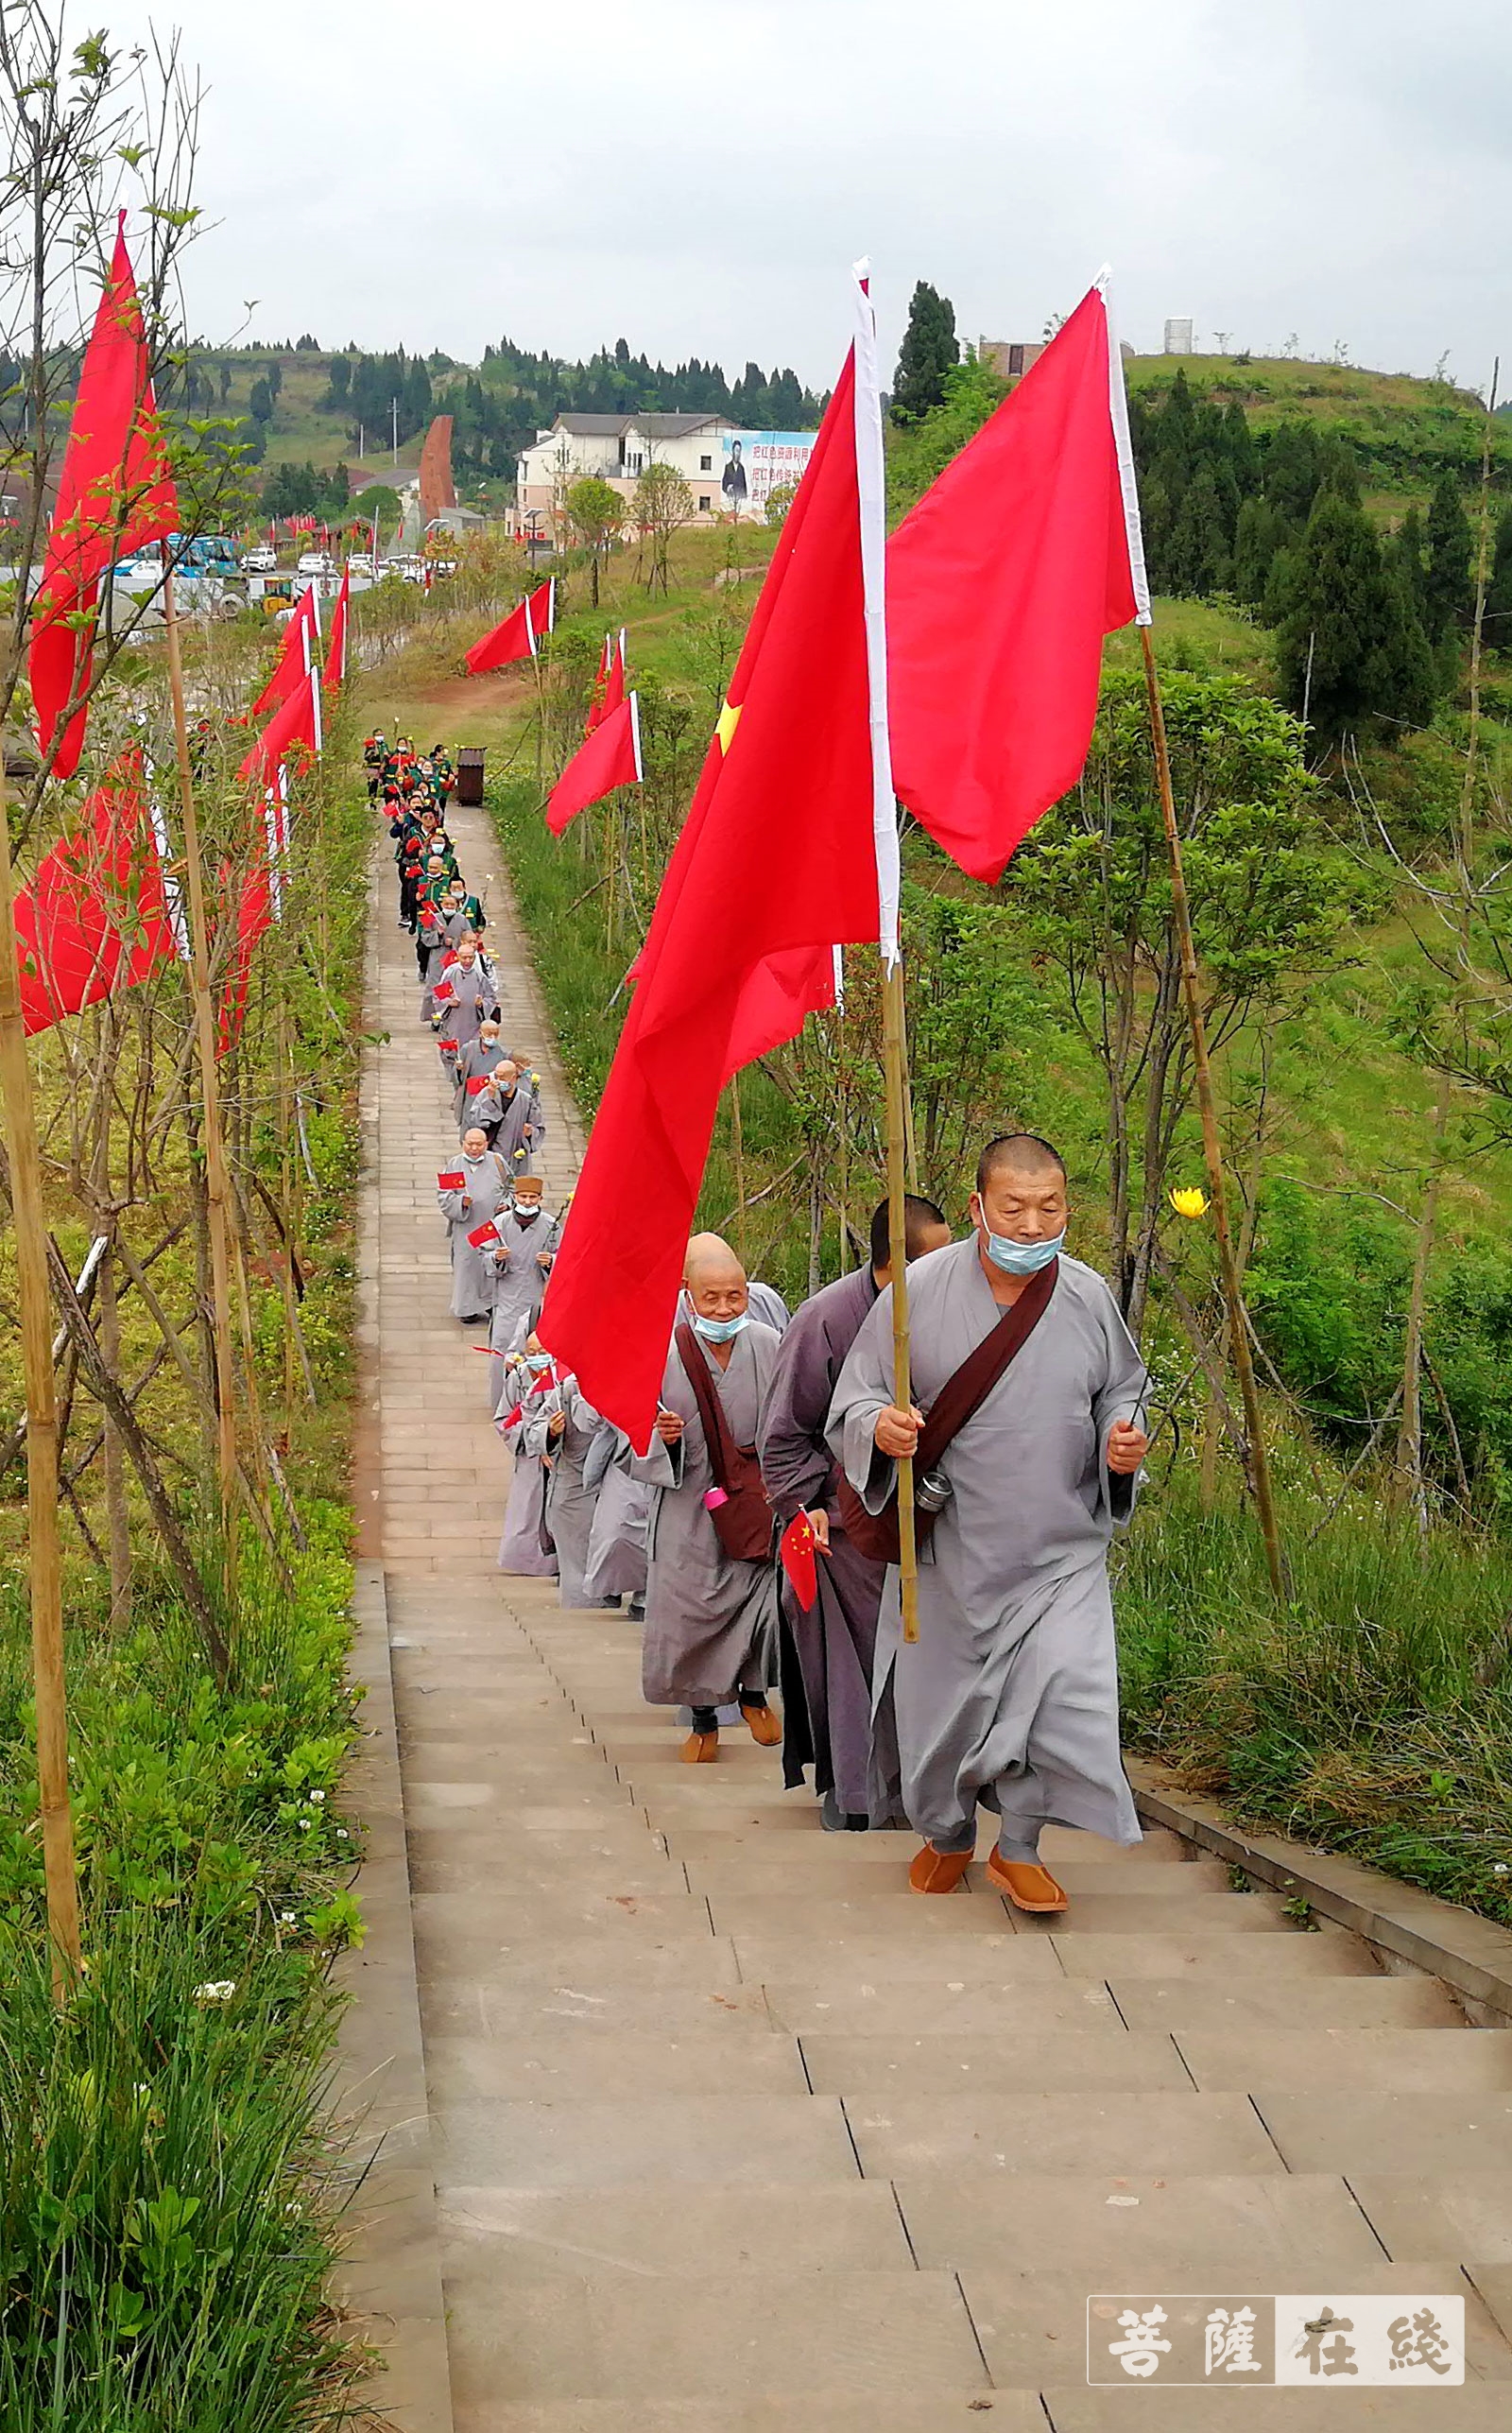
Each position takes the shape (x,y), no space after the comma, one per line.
(1179,336)
(618,448)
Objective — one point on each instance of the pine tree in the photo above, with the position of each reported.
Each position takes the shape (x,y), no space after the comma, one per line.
(1198,560)
(1450,585)
(1402,676)
(1261,531)
(1337,619)
(1239,441)
(928,351)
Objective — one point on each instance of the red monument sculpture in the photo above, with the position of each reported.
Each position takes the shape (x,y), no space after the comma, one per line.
(436,491)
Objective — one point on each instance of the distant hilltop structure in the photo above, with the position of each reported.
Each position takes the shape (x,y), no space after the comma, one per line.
(1179,336)
(1010,359)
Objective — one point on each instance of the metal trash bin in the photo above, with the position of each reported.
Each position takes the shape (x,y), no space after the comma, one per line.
(469,776)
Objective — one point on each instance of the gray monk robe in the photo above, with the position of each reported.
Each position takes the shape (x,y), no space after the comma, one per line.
(711,1621)
(485,1191)
(569,1501)
(473,995)
(622,1509)
(1010,1697)
(520,1285)
(506,1120)
(827,1710)
(520,1546)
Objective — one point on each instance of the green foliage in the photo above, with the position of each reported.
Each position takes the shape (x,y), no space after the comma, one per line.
(301,490)
(1449,584)
(917,456)
(1370,1712)
(1352,650)
(930,351)
(260,401)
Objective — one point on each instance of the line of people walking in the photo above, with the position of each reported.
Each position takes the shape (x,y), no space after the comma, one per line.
(757,1533)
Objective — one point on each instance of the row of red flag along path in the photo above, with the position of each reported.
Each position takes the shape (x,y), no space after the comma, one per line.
(103,910)
(953,669)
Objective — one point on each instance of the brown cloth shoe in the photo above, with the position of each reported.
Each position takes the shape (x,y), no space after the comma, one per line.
(700,1749)
(938,1871)
(1033,1888)
(765,1726)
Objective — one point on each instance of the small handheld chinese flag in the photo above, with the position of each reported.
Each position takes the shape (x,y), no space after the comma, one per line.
(796,1548)
(482,1234)
(452,1179)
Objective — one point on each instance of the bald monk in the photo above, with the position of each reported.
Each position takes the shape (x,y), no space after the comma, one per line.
(482,1192)
(532,1390)
(522,1254)
(471,996)
(827,1653)
(710,1616)
(1009,1698)
(560,1432)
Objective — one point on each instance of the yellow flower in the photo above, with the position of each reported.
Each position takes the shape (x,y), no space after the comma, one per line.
(1189,1202)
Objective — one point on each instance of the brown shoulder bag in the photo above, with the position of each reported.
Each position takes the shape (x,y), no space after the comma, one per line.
(960,1399)
(743,1523)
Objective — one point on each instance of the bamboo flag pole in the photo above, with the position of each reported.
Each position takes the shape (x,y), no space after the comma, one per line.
(42,1450)
(1260,1479)
(895,1066)
(738,1139)
(215,1191)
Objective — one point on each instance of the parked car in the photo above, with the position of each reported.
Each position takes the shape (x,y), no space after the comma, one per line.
(317,561)
(261,561)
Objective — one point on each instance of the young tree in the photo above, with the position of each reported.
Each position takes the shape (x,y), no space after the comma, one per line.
(1339,625)
(1269,897)
(260,403)
(595,512)
(1450,582)
(662,504)
(1499,593)
(928,351)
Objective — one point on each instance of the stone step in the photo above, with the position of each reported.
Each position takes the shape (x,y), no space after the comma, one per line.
(837,1865)
(874,2072)
(1346,2132)
(726,2139)
(1218,1955)
(1374,2000)
(614,2065)
(543,2234)
(1163,2230)
(822,2409)
(1305,2060)
(512,1921)
(1464,2212)
(1476,2408)
(747,2333)
(928,2007)
(995,2135)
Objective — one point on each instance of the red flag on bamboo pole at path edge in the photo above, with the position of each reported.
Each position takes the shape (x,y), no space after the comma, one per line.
(1002,584)
(778,858)
(519,634)
(335,657)
(96,916)
(296,728)
(116,497)
(610,758)
(294,661)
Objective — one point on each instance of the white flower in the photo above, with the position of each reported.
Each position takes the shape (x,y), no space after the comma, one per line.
(315,1798)
(1499,1869)
(220,1989)
(287,1918)
(342,1835)
(306,1823)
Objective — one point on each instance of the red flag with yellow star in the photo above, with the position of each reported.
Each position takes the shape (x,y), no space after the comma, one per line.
(776,865)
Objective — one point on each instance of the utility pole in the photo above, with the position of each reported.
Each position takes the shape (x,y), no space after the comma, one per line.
(393,407)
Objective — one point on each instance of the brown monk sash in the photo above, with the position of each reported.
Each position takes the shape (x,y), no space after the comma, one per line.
(960,1399)
(743,1523)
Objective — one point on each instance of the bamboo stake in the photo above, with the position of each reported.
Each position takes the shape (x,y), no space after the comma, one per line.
(48,1678)
(893,1050)
(1258,1462)
(206,1043)
(739,1137)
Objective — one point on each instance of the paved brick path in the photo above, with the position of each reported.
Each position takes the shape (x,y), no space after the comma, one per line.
(733,2134)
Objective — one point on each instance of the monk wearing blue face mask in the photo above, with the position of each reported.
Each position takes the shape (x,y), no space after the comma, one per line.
(1008,1701)
(711,1596)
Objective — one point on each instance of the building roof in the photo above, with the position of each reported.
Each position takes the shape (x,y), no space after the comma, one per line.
(591,426)
(674,427)
(613,426)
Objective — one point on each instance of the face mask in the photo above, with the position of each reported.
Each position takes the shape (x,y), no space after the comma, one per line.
(537,1360)
(1022,1258)
(721,1330)
(527,1210)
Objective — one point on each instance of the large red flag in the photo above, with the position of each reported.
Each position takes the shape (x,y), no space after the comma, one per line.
(116,496)
(1000,586)
(610,758)
(777,862)
(295,659)
(335,657)
(614,682)
(295,728)
(96,917)
(521,633)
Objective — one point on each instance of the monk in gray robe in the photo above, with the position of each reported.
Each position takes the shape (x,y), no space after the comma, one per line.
(826,1652)
(509,1116)
(532,1390)
(441,936)
(709,1618)
(482,1192)
(475,1061)
(1009,1698)
(526,1244)
(470,993)
(622,1512)
(561,1437)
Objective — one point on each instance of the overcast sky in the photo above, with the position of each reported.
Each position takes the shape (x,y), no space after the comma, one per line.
(697,175)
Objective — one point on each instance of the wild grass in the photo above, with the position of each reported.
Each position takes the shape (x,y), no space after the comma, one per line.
(1370,1712)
